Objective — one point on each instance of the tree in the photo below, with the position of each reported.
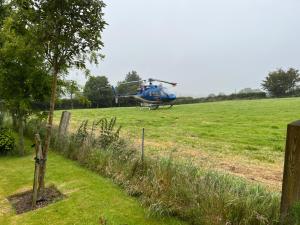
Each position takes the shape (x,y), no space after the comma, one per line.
(124,88)
(69,34)
(279,83)
(23,76)
(3,11)
(98,91)
(249,90)
(72,88)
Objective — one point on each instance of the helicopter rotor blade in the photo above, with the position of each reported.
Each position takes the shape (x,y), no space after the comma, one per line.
(132,82)
(167,82)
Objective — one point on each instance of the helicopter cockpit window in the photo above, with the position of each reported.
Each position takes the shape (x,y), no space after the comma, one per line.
(165,91)
(154,93)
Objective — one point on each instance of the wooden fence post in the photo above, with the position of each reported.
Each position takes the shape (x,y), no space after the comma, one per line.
(291,174)
(143,138)
(64,123)
(38,159)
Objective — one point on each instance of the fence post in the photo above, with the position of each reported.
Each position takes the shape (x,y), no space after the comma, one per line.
(143,138)
(291,173)
(64,123)
(38,159)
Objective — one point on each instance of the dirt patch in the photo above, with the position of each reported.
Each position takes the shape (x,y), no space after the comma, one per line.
(269,175)
(22,202)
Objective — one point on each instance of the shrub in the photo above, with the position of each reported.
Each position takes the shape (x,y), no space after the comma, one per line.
(7,141)
(36,125)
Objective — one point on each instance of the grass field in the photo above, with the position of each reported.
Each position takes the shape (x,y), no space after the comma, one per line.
(242,137)
(89,196)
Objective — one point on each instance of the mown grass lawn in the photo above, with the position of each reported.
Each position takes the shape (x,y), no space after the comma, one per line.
(89,196)
(251,128)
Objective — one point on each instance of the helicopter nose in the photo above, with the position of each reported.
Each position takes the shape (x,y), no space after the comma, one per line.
(172,97)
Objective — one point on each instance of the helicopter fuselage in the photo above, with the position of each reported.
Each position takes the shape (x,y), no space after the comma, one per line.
(155,94)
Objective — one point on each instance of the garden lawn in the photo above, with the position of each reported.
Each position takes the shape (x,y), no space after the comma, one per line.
(90,197)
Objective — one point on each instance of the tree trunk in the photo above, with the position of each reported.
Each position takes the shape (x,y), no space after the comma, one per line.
(14,121)
(48,130)
(72,105)
(21,135)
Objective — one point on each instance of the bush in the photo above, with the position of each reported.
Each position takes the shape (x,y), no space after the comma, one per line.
(7,141)
(36,125)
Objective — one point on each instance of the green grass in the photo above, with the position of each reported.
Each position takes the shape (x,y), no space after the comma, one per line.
(89,196)
(251,128)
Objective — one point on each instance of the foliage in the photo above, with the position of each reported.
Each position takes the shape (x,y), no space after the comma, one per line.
(80,102)
(279,83)
(108,132)
(244,94)
(98,91)
(70,87)
(131,88)
(103,133)
(36,125)
(249,90)
(23,76)
(68,31)
(67,34)
(82,134)
(4,12)
(76,97)
(7,141)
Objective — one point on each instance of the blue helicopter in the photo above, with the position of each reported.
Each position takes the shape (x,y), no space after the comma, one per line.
(150,95)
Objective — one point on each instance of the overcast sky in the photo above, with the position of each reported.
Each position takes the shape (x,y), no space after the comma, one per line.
(207,46)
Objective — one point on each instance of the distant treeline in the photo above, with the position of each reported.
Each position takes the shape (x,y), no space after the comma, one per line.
(77,104)
(129,102)
(190,100)
(98,94)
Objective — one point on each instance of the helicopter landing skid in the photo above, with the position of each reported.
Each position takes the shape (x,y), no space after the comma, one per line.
(149,106)
(154,106)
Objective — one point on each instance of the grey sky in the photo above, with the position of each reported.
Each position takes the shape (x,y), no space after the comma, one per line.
(207,46)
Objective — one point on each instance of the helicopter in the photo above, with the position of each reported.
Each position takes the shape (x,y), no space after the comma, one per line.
(150,95)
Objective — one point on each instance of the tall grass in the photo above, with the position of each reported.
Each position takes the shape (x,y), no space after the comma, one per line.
(165,186)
